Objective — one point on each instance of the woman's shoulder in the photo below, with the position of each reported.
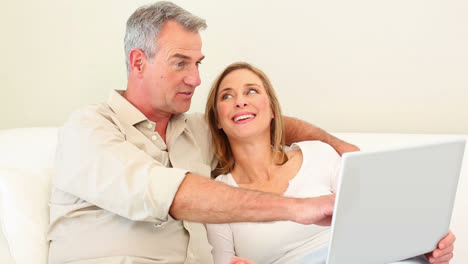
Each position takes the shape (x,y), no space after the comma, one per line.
(313,146)
(317,152)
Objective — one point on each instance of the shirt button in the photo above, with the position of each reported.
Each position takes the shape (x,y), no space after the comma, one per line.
(154,137)
(149,126)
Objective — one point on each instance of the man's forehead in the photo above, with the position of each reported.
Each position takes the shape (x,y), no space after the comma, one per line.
(171,50)
(178,53)
(180,42)
(175,39)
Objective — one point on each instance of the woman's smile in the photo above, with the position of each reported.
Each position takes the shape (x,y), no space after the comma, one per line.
(243,118)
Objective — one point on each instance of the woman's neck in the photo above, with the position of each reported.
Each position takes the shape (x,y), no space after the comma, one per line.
(253,160)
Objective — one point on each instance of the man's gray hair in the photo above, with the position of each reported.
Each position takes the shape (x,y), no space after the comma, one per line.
(144,26)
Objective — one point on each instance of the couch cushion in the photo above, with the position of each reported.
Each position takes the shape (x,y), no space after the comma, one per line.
(24,209)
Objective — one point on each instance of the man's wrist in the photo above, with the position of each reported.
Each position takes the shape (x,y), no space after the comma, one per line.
(293,209)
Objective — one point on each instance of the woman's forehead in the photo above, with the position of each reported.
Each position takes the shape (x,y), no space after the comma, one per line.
(240,77)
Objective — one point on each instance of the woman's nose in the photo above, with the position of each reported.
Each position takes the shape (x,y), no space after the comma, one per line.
(241,102)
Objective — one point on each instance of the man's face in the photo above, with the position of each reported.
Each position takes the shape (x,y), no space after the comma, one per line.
(171,76)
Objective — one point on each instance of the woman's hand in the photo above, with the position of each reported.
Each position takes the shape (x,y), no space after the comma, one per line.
(444,251)
(237,260)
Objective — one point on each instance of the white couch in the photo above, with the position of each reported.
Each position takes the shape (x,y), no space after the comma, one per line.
(26,166)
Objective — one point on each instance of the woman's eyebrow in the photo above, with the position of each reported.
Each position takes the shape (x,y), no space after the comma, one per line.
(224,89)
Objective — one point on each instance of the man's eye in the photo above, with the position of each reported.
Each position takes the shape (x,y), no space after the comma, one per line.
(226,96)
(180,64)
(198,63)
(252,91)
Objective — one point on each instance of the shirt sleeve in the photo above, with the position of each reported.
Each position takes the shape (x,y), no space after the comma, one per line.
(201,132)
(221,239)
(95,163)
(334,170)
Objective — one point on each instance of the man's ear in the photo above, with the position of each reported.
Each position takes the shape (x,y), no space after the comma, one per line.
(137,59)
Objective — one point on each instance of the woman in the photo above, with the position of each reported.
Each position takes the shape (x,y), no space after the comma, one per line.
(246,122)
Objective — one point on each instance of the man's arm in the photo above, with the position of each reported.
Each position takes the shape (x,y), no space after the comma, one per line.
(297,130)
(200,199)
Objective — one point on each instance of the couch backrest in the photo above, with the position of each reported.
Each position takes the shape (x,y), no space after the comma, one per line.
(27,159)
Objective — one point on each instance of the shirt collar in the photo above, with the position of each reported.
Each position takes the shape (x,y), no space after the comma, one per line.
(124,110)
(129,113)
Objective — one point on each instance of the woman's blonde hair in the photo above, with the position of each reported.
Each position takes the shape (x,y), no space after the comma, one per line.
(220,141)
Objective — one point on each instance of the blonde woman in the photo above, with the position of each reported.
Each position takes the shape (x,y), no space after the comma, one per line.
(246,122)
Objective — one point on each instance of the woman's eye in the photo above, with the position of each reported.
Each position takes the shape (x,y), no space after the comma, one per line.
(252,91)
(226,96)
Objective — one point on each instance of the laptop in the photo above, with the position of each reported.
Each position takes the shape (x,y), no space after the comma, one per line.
(394,204)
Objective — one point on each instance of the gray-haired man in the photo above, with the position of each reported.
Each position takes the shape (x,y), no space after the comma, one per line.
(132,175)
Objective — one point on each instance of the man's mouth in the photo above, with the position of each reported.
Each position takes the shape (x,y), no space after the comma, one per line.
(186,94)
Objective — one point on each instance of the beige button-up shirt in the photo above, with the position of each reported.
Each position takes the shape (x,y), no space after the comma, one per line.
(115,179)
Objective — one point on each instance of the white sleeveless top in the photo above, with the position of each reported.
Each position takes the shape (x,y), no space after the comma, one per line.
(282,241)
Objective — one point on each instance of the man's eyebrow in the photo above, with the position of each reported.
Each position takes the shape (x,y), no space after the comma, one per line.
(180,55)
(185,57)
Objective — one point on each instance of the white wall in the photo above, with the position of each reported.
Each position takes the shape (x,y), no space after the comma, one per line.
(352,66)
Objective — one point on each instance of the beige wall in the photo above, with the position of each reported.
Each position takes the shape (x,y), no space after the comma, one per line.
(347,66)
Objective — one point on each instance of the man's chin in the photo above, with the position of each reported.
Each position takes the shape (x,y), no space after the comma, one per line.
(181,110)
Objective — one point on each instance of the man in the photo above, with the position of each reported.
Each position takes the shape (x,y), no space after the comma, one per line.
(132,175)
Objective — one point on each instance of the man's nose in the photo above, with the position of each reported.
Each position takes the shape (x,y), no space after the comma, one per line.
(193,78)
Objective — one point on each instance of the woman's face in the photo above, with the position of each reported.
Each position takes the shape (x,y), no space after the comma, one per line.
(243,105)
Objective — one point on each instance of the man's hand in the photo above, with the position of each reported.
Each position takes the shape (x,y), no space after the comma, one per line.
(343,146)
(315,210)
(444,251)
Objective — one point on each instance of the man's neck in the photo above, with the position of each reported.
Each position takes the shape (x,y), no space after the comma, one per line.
(161,118)
(161,127)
